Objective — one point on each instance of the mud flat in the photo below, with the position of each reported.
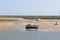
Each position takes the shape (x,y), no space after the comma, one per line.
(19,24)
(44,24)
(8,23)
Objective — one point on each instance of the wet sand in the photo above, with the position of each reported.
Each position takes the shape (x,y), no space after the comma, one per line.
(44,24)
(19,24)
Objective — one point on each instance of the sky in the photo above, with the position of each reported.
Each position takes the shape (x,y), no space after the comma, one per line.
(30,7)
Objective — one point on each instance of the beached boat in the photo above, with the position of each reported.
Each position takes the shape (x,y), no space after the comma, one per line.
(31,27)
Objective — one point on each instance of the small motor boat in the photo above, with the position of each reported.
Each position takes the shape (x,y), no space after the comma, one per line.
(29,26)
(38,19)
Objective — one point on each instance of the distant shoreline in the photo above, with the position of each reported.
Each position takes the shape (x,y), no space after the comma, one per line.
(31,17)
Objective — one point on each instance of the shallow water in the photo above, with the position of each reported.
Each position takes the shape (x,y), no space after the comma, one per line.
(29,35)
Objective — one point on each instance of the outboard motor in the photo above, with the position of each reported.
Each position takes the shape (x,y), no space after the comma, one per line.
(29,26)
